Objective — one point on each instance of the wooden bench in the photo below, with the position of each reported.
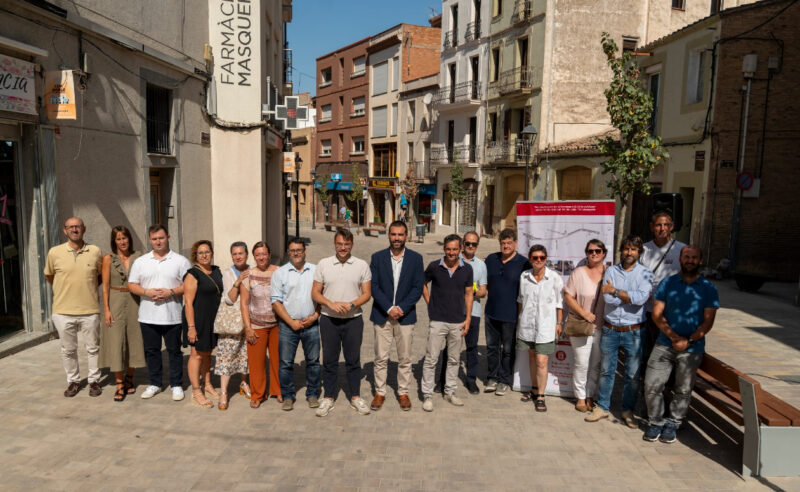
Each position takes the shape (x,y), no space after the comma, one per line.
(771,426)
(375,227)
(332,226)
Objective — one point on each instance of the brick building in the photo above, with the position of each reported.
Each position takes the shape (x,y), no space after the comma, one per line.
(342,105)
(727,104)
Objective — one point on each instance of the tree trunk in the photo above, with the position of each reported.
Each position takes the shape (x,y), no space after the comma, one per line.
(623,213)
(457,219)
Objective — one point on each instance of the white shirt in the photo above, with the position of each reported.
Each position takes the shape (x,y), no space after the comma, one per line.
(670,266)
(397,267)
(537,321)
(166,273)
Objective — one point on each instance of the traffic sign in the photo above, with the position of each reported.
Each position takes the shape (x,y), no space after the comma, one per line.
(744,181)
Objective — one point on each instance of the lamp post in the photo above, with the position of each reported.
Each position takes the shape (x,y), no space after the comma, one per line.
(528,135)
(313,173)
(297,163)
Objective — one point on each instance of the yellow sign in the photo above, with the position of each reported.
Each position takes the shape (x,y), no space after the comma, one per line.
(288,162)
(59,95)
(381,183)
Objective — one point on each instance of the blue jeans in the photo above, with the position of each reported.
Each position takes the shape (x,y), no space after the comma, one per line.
(287,346)
(500,339)
(631,344)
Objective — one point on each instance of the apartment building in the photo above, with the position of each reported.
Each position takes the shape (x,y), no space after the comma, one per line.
(342,105)
(717,112)
(302,195)
(460,102)
(396,57)
(158,128)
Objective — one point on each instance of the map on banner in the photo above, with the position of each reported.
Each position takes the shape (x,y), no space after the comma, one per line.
(563,228)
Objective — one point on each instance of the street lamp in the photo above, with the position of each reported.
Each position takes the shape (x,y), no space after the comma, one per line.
(297,163)
(313,173)
(528,135)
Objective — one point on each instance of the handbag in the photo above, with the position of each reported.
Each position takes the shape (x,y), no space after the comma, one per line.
(577,325)
(228,320)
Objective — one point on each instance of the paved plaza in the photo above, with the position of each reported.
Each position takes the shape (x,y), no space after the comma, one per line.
(492,443)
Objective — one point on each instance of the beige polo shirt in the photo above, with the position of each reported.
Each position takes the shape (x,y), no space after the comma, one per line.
(341,282)
(74,279)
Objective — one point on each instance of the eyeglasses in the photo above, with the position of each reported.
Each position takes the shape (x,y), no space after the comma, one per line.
(468,243)
(594,251)
(296,251)
(538,258)
(203,253)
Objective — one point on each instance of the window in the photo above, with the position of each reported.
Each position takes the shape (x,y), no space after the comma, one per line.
(497,8)
(325,77)
(412,115)
(495,73)
(325,149)
(385,160)
(696,74)
(410,151)
(303,192)
(379,121)
(159,119)
(629,43)
(394,119)
(395,73)
(493,127)
(359,66)
(678,4)
(358,146)
(380,78)
(358,106)
(716,6)
(326,113)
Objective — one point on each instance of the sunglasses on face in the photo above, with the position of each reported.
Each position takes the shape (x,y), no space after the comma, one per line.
(467,243)
(538,258)
(594,251)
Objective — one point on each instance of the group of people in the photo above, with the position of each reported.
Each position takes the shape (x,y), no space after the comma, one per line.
(653,305)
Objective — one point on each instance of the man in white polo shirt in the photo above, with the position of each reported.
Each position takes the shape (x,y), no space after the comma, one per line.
(157,278)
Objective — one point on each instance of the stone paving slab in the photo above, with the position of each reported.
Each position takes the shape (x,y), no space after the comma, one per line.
(49,442)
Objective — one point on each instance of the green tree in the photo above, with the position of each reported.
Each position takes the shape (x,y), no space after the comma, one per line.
(323,192)
(457,190)
(357,194)
(630,106)
(410,190)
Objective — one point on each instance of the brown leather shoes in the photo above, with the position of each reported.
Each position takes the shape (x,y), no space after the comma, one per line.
(405,402)
(95,389)
(377,402)
(72,390)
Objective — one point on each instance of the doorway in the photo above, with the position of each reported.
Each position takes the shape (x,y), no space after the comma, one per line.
(11,319)
(685,234)
(576,183)
(156,198)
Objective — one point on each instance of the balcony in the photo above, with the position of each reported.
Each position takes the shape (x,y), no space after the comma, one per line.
(473,31)
(450,40)
(523,11)
(465,154)
(422,169)
(504,151)
(517,81)
(458,95)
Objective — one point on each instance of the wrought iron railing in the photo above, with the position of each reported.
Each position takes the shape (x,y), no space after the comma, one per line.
(462,92)
(450,40)
(473,31)
(515,80)
(523,11)
(465,154)
(506,151)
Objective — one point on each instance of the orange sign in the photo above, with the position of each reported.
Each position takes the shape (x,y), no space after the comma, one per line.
(59,95)
(288,162)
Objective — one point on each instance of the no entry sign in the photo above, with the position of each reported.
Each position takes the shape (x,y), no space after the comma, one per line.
(744,181)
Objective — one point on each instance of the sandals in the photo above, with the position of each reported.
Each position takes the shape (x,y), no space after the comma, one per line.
(244,389)
(223,405)
(255,404)
(204,403)
(121,393)
(130,388)
(209,390)
(539,404)
(528,395)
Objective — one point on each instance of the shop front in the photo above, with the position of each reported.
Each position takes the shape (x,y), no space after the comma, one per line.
(425,207)
(382,197)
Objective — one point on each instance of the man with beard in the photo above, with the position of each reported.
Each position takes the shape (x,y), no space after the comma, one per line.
(626,288)
(397,278)
(684,310)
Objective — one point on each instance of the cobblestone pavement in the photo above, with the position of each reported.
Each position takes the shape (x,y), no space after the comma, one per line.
(492,443)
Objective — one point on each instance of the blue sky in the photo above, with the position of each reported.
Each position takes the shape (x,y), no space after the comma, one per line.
(319,27)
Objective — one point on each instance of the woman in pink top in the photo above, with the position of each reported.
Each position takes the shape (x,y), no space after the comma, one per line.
(580,292)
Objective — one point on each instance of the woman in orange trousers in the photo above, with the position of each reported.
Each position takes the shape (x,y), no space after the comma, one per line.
(261,327)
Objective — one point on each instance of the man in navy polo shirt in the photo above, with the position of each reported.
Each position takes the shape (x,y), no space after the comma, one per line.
(450,312)
(504,269)
(684,309)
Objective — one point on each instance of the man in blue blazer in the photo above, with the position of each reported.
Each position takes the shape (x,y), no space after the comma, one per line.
(397,280)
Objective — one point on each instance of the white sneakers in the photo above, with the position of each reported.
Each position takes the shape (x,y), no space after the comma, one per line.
(427,405)
(452,398)
(325,407)
(360,406)
(150,392)
(177,393)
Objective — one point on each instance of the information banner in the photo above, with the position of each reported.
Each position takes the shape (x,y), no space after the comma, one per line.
(563,228)
(59,95)
(17,86)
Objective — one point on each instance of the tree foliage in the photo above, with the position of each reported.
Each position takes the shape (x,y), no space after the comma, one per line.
(357,194)
(323,192)
(630,106)
(457,190)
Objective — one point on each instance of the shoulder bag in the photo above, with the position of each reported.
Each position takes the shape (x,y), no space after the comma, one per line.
(576,325)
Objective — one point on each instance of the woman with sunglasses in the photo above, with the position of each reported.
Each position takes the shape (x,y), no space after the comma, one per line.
(540,312)
(581,297)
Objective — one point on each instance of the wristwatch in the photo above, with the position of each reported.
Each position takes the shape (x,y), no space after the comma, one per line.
(352,306)
(615,293)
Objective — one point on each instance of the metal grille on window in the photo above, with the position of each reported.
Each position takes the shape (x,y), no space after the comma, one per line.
(158,119)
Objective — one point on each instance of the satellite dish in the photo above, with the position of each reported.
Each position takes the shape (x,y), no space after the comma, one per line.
(427,99)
